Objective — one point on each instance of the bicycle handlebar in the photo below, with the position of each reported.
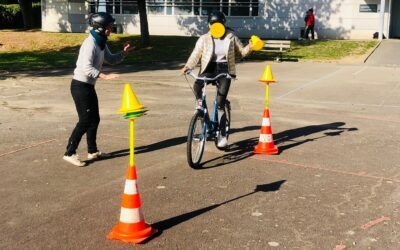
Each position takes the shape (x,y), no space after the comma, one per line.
(206,79)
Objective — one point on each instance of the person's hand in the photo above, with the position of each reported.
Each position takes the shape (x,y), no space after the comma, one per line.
(250,45)
(126,48)
(184,69)
(108,76)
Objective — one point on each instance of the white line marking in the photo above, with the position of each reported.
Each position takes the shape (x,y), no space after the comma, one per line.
(27,147)
(359,71)
(341,103)
(309,83)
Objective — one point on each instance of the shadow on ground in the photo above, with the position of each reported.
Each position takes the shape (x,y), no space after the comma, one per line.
(243,149)
(168,143)
(171,222)
(334,129)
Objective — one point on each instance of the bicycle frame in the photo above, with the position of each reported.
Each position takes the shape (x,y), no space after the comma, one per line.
(210,125)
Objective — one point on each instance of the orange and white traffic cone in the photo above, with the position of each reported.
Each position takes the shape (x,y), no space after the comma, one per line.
(266,141)
(131,227)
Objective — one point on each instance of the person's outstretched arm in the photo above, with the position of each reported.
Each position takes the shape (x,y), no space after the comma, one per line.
(112,59)
(242,51)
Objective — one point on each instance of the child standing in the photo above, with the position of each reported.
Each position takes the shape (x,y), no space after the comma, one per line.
(93,52)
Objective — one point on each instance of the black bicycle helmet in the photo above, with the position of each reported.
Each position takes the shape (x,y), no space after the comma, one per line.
(99,21)
(216,17)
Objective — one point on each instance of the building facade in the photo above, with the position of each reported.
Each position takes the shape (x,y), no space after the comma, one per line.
(273,19)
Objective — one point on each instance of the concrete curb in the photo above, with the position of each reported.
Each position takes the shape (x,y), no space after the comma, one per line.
(372,51)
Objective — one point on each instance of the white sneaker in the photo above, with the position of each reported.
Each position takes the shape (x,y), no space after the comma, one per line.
(222,141)
(97,155)
(74,160)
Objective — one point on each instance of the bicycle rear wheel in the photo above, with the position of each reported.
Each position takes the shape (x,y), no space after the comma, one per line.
(196,140)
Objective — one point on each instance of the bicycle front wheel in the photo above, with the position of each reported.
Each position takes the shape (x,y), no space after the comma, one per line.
(196,140)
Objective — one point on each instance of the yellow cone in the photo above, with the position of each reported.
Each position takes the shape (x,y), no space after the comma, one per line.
(267,76)
(217,30)
(257,43)
(130,103)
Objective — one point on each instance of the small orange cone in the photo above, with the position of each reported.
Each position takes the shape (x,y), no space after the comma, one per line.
(267,76)
(131,227)
(266,142)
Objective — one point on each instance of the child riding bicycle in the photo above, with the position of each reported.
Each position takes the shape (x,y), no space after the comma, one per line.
(217,56)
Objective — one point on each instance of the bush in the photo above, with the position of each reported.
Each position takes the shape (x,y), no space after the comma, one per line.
(8,1)
(11,17)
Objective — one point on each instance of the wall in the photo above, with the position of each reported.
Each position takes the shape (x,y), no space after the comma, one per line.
(64,16)
(277,19)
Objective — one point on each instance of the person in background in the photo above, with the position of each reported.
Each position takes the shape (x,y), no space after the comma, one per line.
(93,52)
(310,22)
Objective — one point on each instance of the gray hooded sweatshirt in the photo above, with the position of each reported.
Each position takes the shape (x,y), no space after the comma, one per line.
(90,60)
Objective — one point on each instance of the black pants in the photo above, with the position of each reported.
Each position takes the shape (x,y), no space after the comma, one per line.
(212,70)
(87,106)
(309,29)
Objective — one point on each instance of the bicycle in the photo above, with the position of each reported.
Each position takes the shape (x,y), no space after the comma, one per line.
(201,126)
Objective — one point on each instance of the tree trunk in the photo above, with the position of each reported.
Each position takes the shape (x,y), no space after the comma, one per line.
(144,26)
(26,10)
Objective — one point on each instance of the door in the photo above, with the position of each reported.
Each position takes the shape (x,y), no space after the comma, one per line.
(395,19)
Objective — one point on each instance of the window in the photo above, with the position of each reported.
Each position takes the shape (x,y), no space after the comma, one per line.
(114,6)
(127,7)
(183,7)
(177,7)
(155,6)
(209,6)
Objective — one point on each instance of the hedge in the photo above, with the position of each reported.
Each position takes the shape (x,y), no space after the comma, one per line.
(11,17)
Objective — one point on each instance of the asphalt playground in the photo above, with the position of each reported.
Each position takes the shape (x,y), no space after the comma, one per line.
(334,184)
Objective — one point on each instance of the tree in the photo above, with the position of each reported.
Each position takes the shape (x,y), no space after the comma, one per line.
(26,10)
(144,26)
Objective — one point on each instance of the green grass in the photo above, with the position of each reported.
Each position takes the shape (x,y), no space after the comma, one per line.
(63,51)
(40,50)
(322,50)
(329,49)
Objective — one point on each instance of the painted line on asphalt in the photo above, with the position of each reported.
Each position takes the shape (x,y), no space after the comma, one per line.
(292,164)
(342,103)
(309,83)
(375,222)
(27,147)
(362,117)
(359,71)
